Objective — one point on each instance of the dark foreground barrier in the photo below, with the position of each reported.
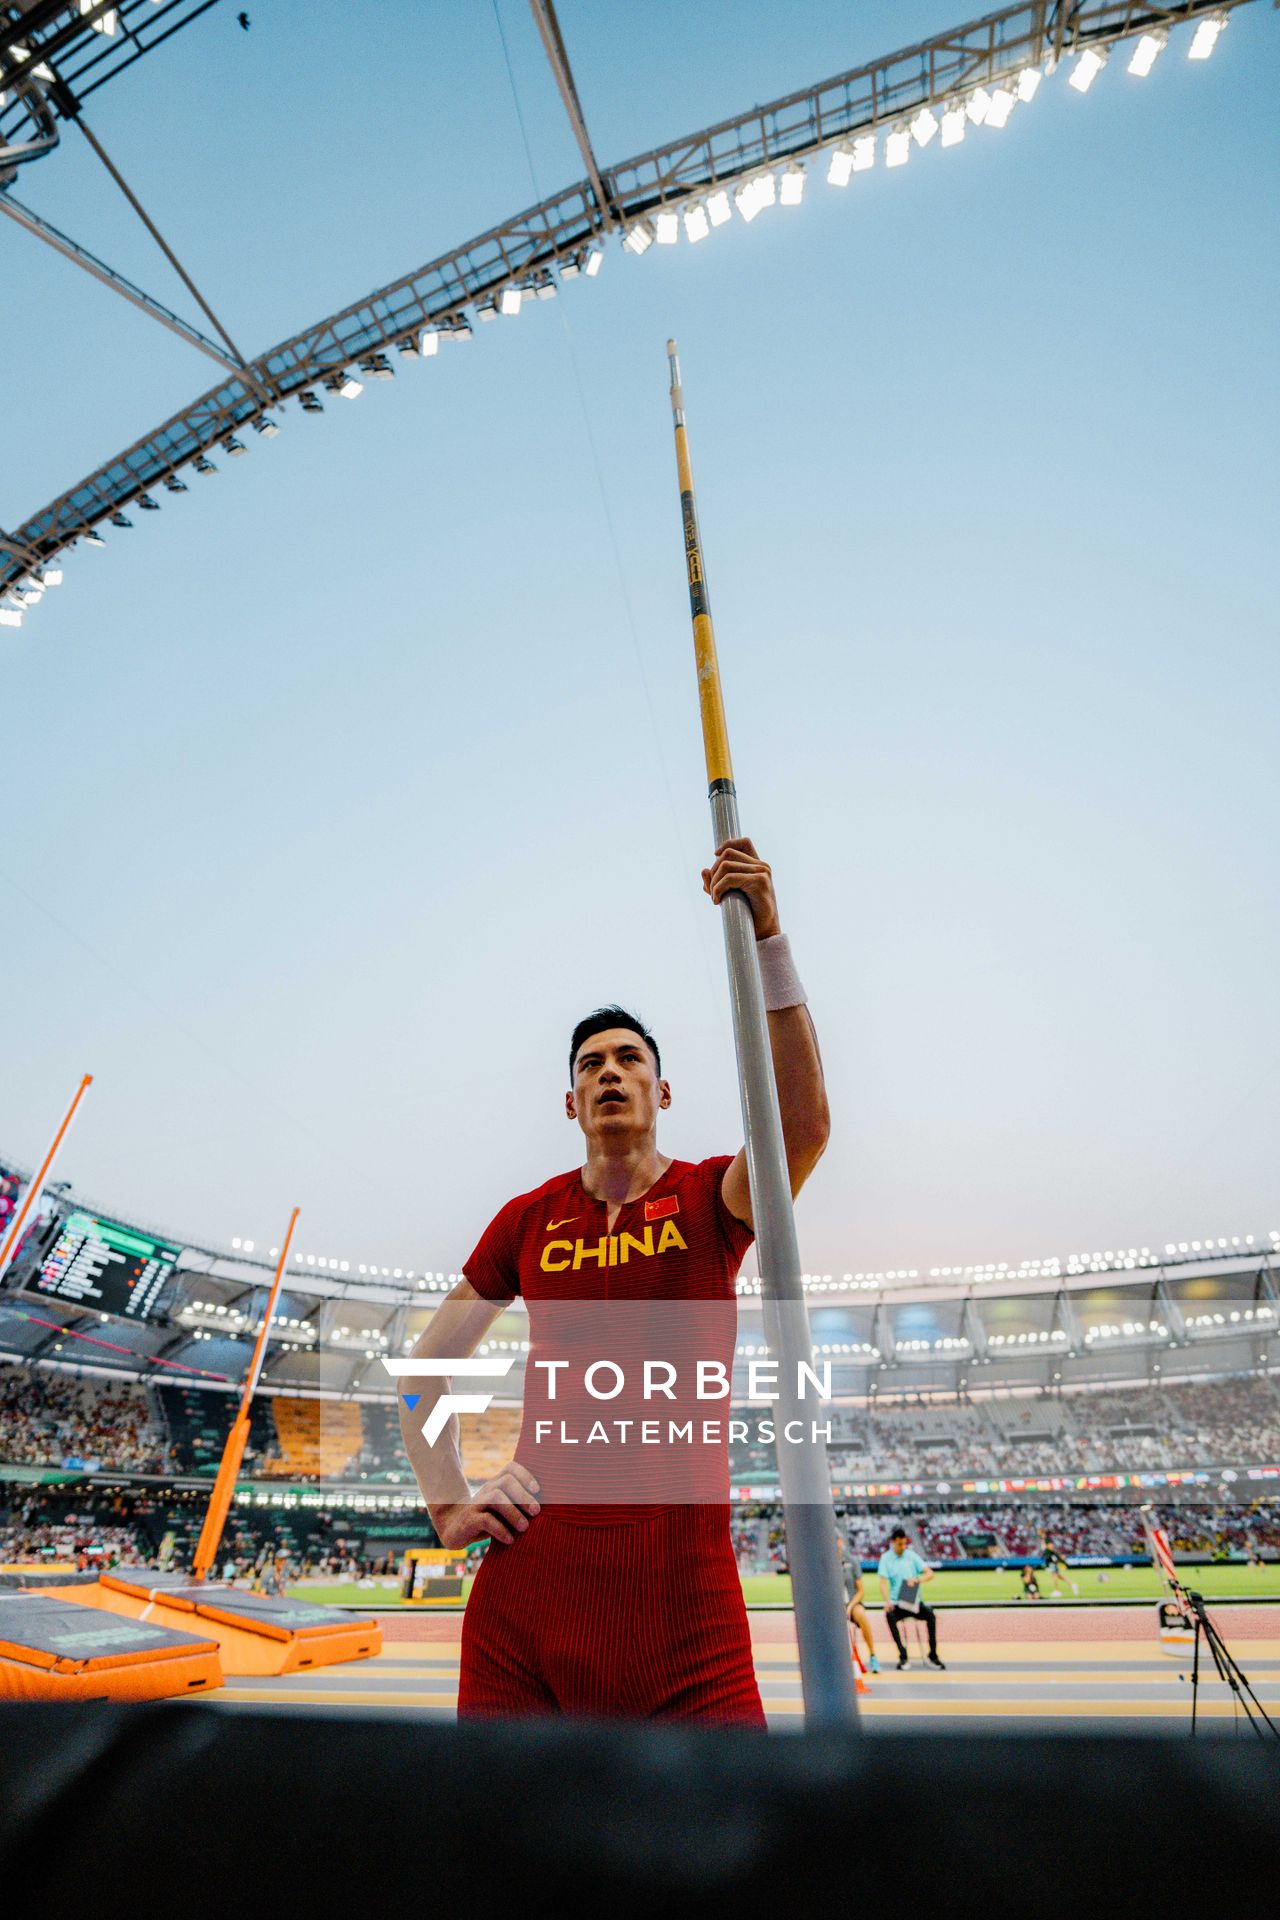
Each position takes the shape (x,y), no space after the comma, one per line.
(202,1813)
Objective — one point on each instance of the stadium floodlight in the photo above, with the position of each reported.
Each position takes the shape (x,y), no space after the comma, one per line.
(1205,38)
(52,576)
(792,186)
(766,190)
(864,153)
(953,126)
(120,520)
(897,148)
(147,504)
(105,23)
(348,386)
(1147,52)
(266,427)
(719,212)
(667,228)
(486,310)
(924,126)
(233,446)
(978,106)
(1087,69)
(10,617)
(639,238)
(509,300)
(172,484)
(1028,83)
(841,167)
(593,262)
(747,201)
(428,342)
(1002,105)
(696,224)
(201,466)
(92,539)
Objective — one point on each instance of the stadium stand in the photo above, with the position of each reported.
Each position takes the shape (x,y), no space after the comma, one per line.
(47,1419)
(318,1439)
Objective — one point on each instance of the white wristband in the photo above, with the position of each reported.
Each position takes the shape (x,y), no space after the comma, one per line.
(778,974)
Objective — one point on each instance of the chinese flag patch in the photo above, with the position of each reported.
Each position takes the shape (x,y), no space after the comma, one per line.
(660,1209)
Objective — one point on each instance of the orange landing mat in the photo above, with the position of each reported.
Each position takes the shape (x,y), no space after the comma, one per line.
(53,1649)
(256,1633)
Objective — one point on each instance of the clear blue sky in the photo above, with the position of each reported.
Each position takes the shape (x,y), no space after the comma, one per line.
(338,790)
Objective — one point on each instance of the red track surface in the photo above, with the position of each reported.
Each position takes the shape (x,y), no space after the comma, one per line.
(1041,1620)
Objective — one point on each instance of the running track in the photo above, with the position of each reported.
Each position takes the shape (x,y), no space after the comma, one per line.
(1081,1669)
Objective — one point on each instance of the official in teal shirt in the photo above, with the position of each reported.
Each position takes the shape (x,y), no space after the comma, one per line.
(898,1564)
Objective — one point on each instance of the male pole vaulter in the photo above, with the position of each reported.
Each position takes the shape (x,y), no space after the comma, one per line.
(632,1610)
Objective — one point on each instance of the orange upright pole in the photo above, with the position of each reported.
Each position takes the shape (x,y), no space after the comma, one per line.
(10,1244)
(233,1453)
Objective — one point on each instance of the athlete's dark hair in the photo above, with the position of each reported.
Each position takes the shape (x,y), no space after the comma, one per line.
(601,1021)
(899,1533)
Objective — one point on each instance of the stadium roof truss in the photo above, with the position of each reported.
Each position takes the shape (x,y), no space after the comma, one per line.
(53,55)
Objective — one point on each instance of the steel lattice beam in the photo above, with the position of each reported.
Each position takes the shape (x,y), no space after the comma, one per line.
(445,292)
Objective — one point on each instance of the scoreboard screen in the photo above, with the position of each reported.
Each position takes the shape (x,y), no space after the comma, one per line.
(96,1263)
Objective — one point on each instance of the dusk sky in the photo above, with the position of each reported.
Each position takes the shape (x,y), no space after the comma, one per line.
(338,790)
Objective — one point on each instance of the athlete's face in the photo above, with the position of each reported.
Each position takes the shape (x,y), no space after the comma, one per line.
(616,1093)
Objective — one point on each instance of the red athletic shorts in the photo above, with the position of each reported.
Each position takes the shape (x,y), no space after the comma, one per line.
(642,1618)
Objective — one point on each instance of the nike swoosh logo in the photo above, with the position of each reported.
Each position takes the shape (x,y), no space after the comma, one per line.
(553,1224)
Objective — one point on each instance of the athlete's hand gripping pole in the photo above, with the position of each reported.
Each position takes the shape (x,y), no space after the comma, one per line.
(826,1669)
(233,1452)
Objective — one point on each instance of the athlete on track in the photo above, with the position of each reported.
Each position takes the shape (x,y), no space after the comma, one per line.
(616,1610)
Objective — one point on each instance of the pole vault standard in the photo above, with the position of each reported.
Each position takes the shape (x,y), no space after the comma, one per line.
(9,1246)
(826,1668)
(233,1453)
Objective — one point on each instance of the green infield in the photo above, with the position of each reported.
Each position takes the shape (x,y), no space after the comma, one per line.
(1095,1584)
(991,1589)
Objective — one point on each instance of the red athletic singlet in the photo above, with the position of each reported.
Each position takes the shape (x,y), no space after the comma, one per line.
(619,1609)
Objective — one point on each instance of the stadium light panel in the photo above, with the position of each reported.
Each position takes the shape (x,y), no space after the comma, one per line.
(897,148)
(172,484)
(428,342)
(266,427)
(1028,83)
(1147,52)
(792,192)
(746,201)
(1205,38)
(766,190)
(639,239)
(509,301)
(1087,69)
(593,262)
(350,387)
(978,106)
(201,466)
(121,520)
(924,127)
(864,153)
(10,617)
(1002,105)
(92,539)
(696,224)
(953,127)
(233,446)
(719,212)
(841,168)
(52,576)
(667,228)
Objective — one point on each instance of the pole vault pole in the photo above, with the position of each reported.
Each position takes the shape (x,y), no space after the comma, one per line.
(233,1453)
(9,1246)
(826,1667)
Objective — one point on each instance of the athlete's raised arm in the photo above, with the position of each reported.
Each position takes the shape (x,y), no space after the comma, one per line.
(497,1509)
(797,1064)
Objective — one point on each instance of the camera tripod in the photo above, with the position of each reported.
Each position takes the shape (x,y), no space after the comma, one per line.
(1195,1612)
